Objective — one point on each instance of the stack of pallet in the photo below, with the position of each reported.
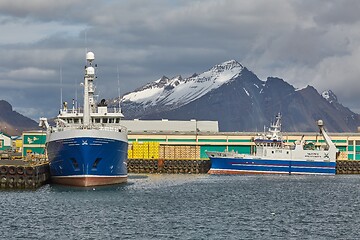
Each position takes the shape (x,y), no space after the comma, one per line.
(154,150)
(162,152)
(182,152)
(194,152)
(130,152)
(137,150)
(146,150)
(179,152)
(342,156)
(168,152)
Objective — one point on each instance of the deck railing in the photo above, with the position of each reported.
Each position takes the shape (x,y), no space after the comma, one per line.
(118,128)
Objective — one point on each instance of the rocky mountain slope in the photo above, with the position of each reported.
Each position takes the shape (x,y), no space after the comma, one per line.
(239,100)
(13,123)
(228,93)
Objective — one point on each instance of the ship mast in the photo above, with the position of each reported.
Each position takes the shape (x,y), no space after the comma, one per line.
(275,129)
(88,88)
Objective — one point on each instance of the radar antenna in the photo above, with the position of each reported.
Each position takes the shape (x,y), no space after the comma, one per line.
(61,90)
(118,78)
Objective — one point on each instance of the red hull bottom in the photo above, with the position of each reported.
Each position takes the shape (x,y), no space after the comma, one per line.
(89,181)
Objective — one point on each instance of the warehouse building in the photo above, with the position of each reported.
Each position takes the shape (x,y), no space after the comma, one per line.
(167,139)
(166,125)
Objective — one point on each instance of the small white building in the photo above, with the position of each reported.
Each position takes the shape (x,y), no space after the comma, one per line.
(5,142)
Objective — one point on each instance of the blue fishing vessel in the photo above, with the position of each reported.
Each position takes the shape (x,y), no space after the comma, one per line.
(88,146)
(274,156)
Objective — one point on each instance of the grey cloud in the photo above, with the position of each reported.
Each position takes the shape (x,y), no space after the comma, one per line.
(334,12)
(303,42)
(45,11)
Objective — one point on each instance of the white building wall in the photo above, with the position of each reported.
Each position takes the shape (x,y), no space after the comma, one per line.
(170,126)
(6,139)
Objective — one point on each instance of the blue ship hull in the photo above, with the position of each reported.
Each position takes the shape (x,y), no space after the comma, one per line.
(263,166)
(87,161)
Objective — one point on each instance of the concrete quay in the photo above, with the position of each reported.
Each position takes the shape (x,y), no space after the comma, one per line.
(20,174)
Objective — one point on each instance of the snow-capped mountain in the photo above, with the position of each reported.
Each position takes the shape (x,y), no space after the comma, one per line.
(239,100)
(329,96)
(177,92)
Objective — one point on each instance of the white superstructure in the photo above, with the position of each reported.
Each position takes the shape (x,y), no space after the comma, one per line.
(88,146)
(91,116)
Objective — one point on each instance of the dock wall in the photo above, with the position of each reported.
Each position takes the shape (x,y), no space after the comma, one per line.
(347,167)
(22,175)
(189,166)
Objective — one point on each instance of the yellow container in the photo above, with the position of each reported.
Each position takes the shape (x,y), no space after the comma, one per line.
(130,153)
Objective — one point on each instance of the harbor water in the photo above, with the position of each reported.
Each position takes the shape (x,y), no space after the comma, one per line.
(179,206)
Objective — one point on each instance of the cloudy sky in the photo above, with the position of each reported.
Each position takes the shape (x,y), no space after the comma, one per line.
(313,42)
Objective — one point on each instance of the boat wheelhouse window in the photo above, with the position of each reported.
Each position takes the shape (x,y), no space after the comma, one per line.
(117,120)
(76,120)
(111,120)
(104,120)
(97,120)
(70,120)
